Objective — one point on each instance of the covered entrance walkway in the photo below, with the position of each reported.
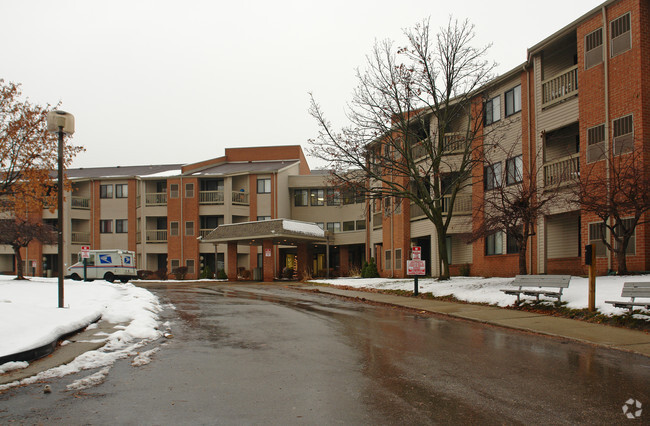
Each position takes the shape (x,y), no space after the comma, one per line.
(271,235)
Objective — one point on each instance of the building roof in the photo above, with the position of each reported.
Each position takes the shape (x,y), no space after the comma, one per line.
(243,167)
(124,171)
(280,231)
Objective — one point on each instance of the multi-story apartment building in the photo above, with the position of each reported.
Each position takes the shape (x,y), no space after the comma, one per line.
(579,100)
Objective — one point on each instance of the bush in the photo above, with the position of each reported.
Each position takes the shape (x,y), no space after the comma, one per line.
(144,274)
(287,273)
(160,274)
(354,272)
(364,268)
(464,270)
(180,272)
(207,273)
(221,274)
(371,270)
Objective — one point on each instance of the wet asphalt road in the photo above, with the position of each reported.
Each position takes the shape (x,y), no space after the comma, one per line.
(256,354)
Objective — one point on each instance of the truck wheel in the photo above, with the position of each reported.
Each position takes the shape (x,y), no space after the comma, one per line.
(124,280)
(75,277)
(109,277)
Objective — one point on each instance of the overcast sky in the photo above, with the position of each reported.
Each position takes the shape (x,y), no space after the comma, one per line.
(160,82)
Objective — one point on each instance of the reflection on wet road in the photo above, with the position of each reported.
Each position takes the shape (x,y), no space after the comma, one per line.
(268,354)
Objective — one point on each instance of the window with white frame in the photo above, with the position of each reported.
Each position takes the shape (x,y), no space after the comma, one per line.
(174,264)
(301,197)
(264,186)
(513,100)
(122,190)
(596,143)
(106,191)
(189,263)
(494,243)
(333,197)
(173,229)
(388,257)
(261,218)
(627,225)
(106,226)
(597,231)
(334,226)
(594,48)
(514,170)
(493,110)
(317,197)
(623,135)
(621,34)
(398,258)
(189,190)
(173,190)
(121,226)
(189,228)
(492,176)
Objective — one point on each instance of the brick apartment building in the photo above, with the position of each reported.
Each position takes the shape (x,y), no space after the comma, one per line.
(581,98)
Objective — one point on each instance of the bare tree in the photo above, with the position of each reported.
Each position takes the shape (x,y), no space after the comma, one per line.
(618,192)
(414,118)
(515,203)
(19,232)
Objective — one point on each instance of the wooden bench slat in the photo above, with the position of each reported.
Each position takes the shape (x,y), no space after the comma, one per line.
(633,290)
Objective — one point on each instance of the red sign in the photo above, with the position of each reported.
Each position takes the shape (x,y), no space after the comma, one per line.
(267,252)
(416,253)
(85,252)
(416,267)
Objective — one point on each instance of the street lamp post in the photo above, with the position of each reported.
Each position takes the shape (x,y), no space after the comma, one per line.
(60,122)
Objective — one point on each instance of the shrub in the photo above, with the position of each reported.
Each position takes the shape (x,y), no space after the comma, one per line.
(180,272)
(364,268)
(144,274)
(371,270)
(221,274)
(354,272)
(160,274)
(207,273)
(464,270)
(287,273)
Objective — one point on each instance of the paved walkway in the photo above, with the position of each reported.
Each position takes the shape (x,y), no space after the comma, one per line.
(597,334)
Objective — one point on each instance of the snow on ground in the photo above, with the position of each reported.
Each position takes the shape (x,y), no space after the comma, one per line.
(488,290)
(30,318)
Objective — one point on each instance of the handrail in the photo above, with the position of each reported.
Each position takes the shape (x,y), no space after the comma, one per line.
(562,170)
(560,87)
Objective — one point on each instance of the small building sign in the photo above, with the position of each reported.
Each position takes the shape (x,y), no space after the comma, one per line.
(416,267)
(85,252)
(267,252)
(416,253)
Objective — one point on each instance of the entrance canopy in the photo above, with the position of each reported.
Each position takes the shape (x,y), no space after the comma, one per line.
(280,231)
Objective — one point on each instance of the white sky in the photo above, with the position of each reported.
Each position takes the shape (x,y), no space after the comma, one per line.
(159,82)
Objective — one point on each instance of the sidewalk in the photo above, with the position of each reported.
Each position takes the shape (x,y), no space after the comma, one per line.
(596,334)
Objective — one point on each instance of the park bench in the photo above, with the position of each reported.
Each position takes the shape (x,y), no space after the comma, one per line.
(633,290)
(539,285)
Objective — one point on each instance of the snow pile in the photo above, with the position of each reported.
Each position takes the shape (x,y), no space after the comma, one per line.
(30,318)
(306,228)
(488,290)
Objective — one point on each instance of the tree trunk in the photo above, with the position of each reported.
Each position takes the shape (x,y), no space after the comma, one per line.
(19,264)
(444,260)
(621,262)
(523,247)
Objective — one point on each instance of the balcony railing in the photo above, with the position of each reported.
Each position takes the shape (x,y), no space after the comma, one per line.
(155,199)
(82,203)
(454,142)
(462,204)
(563,170)
(240,197)
(80,237)
(560,87)
(157,236)
(211,197)
(204,232)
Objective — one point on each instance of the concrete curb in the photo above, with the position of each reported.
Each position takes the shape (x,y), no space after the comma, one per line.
(623,339)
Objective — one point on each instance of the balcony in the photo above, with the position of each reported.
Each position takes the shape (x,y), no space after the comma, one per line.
(80,237)
(204,232)
(211,197)
(560,87)
(157,236)
(562,171)
(81,203)
(454,143)
(240,198)
(462,204)
(155,199)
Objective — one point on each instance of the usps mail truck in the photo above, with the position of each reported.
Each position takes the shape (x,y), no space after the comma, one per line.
(105,264)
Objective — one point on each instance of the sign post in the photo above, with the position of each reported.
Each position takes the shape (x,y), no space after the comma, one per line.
(416,267)
(85,254)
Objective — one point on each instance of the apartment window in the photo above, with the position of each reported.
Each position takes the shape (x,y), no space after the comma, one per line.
(361,225)
(596,234)
(514,170)
(631,246)
(264,186)
(173,190)
(513,100)
(398,259)
(333,197)
(175,263)
(317,197)
(173,229)
(621,35)
(189,190)
(511,244)
(190,265)
(189,229)
(492,176)
(348,225)
(106,226)
(494,243)
(623,135)
(388,257)
(321,225)
(596,143)
(105,191)
(121,191)
(260,218)
(121,226)
(493,110)
(594,48)
(301,197)
(334,226)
